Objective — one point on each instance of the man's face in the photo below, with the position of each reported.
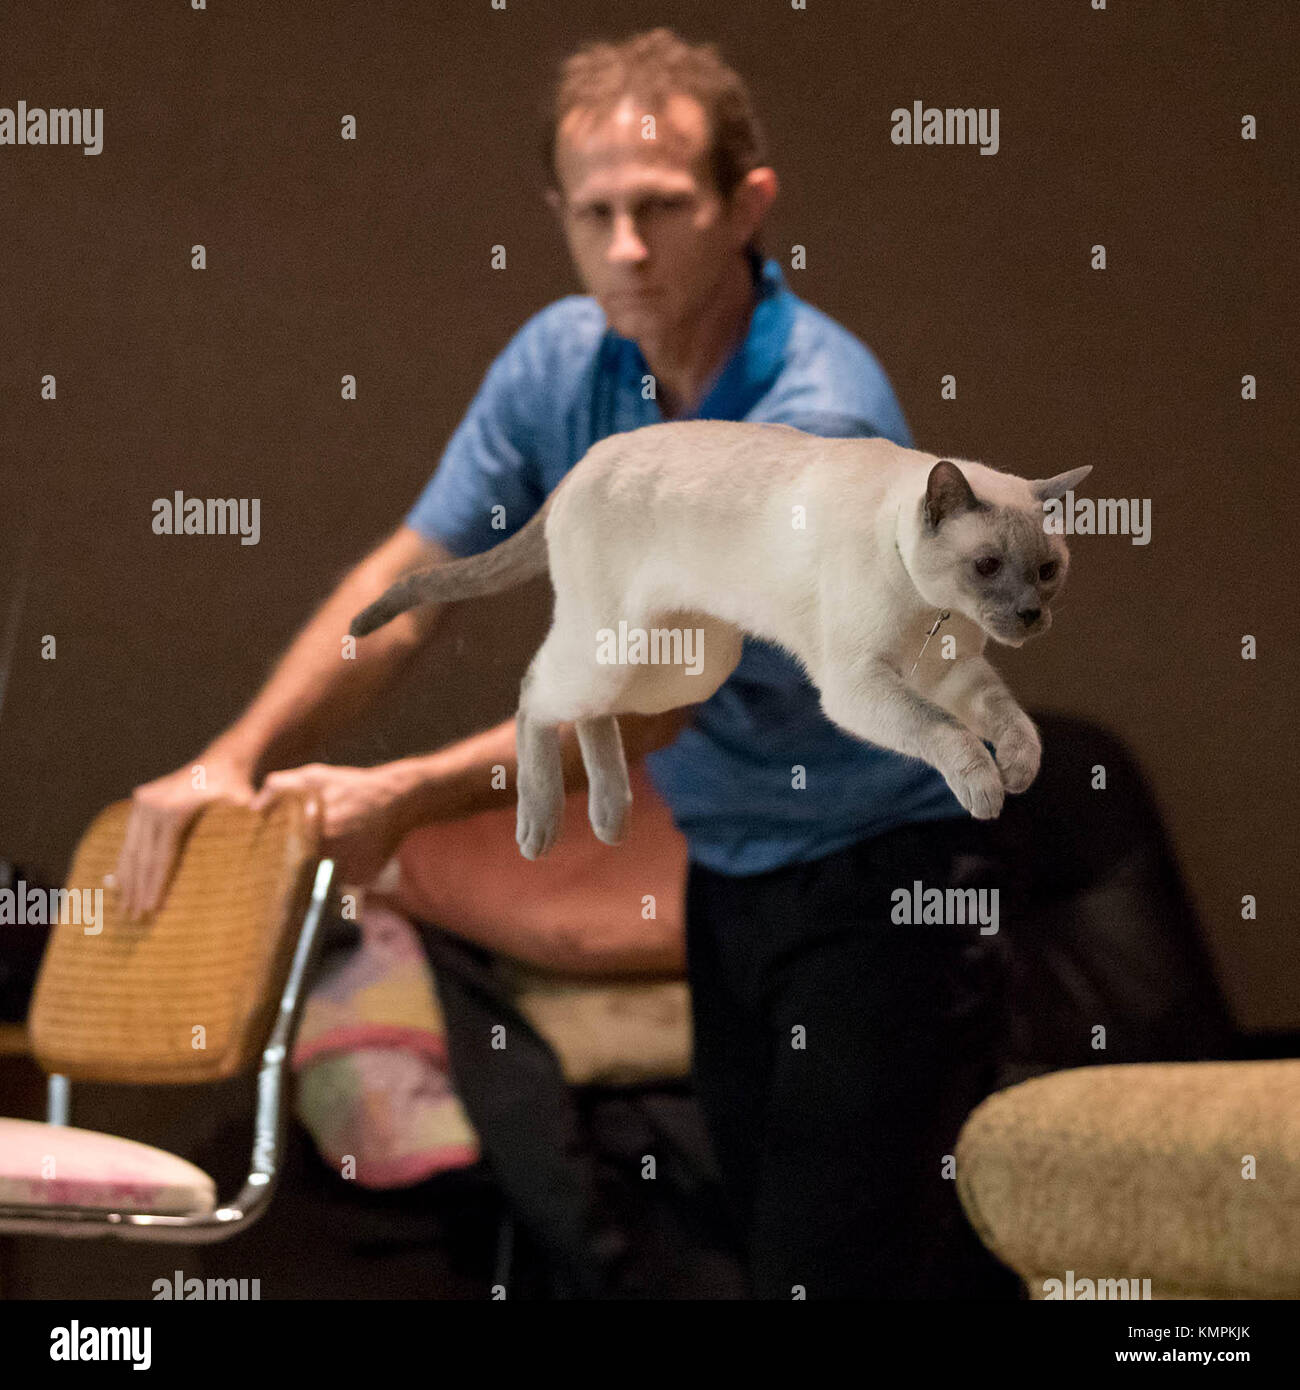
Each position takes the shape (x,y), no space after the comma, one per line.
(649,234)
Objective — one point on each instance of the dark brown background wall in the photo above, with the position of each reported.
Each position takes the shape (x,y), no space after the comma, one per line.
(1119,127)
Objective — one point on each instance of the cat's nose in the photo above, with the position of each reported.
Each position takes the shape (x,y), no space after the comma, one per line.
(1029,616)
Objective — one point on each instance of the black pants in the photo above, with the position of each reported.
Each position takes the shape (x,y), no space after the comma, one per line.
(570,1160)
(522,1108)
(837,1054)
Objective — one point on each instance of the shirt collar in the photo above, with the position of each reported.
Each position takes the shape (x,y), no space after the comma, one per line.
(751,369)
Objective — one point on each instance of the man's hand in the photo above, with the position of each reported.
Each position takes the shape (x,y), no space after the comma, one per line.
(367,811)
(311,692)
(161,812)
(363,812)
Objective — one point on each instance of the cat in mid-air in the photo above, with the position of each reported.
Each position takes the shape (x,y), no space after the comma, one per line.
(850,554)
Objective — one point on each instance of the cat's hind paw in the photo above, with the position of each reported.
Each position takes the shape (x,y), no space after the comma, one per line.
(536,831)
(607,812)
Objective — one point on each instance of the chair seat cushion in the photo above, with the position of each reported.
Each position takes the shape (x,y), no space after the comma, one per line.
(55,1165)
(1186,1173)
(609,1033)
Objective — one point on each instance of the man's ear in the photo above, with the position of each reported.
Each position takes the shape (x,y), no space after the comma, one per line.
(752,197)
(1045,489)
(947,493)
(555,202)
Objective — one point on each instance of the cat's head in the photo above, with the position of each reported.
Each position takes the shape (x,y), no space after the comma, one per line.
(988,556)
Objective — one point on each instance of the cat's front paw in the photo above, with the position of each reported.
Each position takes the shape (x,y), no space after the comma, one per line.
(977,784)
(1020,752)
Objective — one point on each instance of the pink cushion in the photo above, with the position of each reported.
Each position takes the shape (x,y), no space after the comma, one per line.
(54,1165)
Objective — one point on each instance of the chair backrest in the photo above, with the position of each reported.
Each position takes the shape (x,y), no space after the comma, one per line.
(189,993)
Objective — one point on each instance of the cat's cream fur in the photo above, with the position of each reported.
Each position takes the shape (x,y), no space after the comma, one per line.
(842,551)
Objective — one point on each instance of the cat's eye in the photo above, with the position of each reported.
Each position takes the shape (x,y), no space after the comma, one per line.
(1047,571)
(989,565)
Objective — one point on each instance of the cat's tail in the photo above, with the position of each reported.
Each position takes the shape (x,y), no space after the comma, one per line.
(505,566)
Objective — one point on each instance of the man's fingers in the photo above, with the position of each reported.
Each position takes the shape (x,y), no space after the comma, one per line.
(274,785)
(126,859)
(298,780)
(140,862)
(157,822)
(156,863)
(161,852)
(138,868)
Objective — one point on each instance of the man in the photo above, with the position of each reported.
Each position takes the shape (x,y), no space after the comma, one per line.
(835,1054)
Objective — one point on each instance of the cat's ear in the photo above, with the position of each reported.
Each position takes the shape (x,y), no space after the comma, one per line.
(947,493)
(1044,489)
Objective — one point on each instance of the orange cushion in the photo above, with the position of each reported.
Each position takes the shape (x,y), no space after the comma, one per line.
(468,876)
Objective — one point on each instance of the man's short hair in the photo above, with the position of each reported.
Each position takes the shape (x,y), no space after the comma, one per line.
(651,67)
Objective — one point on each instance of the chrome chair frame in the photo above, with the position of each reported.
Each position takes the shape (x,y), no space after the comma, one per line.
(269,1127)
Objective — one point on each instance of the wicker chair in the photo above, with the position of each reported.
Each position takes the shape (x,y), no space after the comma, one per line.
(192,993)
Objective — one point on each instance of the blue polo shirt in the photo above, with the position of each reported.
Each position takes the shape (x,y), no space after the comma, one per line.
(759,778)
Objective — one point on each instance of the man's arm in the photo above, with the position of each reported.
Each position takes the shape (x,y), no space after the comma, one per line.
(365,812)
(312,691)
(457,781)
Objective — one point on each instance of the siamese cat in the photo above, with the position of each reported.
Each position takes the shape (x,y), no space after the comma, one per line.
(850,554)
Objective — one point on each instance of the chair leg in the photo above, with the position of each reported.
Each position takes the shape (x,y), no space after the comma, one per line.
(534,1273)
(505,1249)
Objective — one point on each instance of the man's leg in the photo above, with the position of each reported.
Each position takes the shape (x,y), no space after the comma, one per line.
(523,1109)
(730,1052)
(884,1037)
